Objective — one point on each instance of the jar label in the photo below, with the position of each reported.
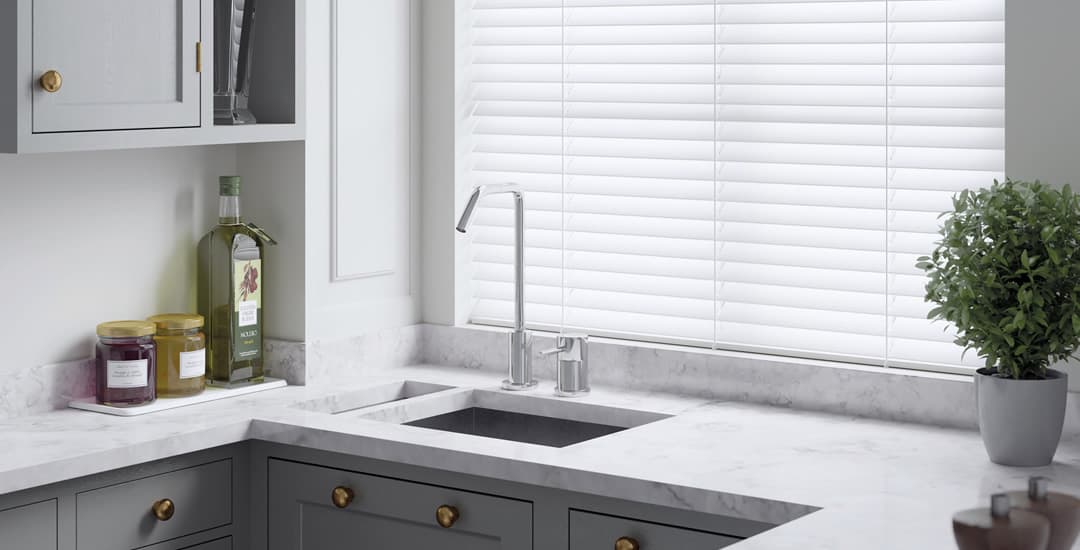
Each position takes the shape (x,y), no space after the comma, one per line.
(127,374)
(192,364)
(247,339)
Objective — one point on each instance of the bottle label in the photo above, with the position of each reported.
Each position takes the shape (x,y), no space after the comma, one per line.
(192,364)
(127,374)
(247,339)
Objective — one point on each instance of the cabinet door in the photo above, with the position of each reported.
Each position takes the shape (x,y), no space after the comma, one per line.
(590,531)
(124,64)
(385,514)
(30,527)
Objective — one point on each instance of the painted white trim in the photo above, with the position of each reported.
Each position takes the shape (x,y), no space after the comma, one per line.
(335,240)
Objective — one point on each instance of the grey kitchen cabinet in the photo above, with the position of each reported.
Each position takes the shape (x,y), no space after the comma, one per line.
(29,527)
(123,74)
(318,508)
(119,65)
(208,493)
(157,508)
(591,531)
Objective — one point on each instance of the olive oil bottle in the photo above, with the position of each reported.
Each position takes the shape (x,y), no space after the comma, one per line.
(230,293)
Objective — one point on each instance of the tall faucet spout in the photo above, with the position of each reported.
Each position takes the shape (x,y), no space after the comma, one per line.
(520,367)
(480,192)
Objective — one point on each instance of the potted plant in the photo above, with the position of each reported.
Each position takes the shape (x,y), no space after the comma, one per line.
(1006,273)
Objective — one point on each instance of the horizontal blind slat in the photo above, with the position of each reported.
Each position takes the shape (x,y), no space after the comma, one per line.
(780,163)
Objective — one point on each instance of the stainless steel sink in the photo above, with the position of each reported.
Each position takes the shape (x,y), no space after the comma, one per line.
(514,426)
(371,396)
(508,416)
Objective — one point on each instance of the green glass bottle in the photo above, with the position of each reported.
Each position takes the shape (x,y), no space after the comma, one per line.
(230,293)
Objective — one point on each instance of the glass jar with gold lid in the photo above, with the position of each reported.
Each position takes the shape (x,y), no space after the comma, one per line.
(125,363)
(181,354)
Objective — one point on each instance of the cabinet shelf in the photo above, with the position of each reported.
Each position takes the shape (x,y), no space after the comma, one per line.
(97,108)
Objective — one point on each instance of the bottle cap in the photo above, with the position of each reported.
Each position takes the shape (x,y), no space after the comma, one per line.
(177,321)
(999,505)
(229,186)
(1038,487)
(125,329)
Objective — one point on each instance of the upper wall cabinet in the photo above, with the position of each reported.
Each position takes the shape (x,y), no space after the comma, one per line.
(116,65)
(113,74)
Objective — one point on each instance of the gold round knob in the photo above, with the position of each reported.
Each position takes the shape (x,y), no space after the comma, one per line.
(51,81)
(447,516)
(342,496)
(163,509)
(627,543)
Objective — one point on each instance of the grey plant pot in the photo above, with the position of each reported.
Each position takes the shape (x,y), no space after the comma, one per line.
(1021,420)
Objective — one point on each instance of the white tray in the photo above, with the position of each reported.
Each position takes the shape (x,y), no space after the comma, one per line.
(211,393)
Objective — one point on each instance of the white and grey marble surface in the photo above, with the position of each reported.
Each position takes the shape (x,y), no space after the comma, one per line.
(872,392)
(873,483)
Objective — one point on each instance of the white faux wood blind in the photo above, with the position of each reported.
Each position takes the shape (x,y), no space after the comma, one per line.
(754,175)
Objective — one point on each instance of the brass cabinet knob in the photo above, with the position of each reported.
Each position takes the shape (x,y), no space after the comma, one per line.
(163,509)
(51,81)
(342,496)
(627,543)
(447,516)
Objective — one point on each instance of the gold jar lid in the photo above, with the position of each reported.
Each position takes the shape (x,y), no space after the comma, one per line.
(125,329)
(177,321)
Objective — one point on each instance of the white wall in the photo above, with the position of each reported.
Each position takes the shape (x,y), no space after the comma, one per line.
(92,237)
(1042,81)
(273,198)
(1042,105)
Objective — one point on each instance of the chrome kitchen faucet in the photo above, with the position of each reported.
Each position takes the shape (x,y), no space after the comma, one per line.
(521,377)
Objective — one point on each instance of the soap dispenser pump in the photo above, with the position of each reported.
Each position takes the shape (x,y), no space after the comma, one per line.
(1000,527)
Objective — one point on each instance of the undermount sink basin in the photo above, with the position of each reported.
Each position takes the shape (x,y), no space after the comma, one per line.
(516,417)
(514,426)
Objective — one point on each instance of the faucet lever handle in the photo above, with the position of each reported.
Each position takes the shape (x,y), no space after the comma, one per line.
(552,351)
(565,343)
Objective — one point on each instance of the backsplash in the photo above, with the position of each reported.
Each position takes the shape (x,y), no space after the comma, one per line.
(889,394)
(927,398)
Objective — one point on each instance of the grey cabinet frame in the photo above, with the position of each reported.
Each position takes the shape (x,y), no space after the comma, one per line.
(551,507)
(65,495)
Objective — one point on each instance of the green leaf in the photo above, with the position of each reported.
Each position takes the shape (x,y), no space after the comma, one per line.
(1006,273)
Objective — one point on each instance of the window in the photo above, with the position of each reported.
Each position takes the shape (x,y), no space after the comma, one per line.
(753,175)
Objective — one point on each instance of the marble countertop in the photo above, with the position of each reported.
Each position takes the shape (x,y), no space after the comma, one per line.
(835,482)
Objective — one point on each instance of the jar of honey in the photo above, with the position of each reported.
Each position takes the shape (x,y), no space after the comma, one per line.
(125,363)
(181,354)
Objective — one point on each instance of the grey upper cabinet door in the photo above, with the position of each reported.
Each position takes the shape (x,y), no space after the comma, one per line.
(385,514)
(590,531)
(30,527)
(123,64)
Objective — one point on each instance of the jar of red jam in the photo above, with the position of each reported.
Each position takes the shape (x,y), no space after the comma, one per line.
(125,361)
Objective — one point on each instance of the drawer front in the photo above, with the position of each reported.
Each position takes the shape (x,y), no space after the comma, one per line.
(387,514)
(30,527)
(120,516)
(590,531)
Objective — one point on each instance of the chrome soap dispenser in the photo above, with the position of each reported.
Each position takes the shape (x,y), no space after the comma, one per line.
(572,371)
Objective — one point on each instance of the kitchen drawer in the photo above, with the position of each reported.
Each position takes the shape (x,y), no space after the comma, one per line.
(385,513)
(120,516)
(30,527)
(589,531)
